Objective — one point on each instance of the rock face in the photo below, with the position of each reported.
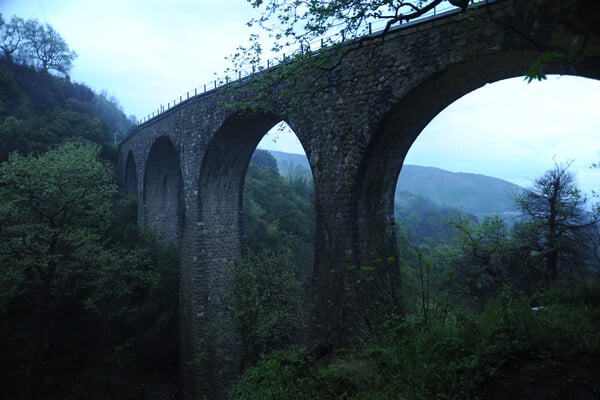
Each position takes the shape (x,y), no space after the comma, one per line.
(356,126)
(548,380)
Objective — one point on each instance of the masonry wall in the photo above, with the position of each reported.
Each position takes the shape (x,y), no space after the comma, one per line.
(356,126)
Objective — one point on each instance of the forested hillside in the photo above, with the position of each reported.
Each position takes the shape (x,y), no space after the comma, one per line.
(88,302)
(476,194)
(38,110)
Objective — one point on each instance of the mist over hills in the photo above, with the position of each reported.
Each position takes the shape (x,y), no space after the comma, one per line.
(476,194)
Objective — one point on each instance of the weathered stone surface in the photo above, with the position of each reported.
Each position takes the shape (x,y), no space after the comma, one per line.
(189,162)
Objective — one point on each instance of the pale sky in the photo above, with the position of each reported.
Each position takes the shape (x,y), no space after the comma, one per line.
(147,53)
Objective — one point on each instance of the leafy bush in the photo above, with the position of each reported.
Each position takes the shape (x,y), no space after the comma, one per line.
(415,359)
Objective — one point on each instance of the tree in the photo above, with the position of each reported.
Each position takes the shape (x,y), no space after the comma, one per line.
(11,37)
(55,255)
(298,22)
(269,310)
(278,214)
(29,42)
(47,49)
(487,258)
(556,225)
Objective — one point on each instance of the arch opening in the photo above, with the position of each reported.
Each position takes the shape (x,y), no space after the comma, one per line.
(265,198)
(163,191)
(285,214)
(422,198)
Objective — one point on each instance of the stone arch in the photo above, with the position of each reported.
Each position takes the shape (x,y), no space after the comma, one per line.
(220,229)
(222,174)
(163,200)
(131,177)
(222,177)
(379,169)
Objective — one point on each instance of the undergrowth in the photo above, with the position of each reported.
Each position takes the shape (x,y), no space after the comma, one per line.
(415,359)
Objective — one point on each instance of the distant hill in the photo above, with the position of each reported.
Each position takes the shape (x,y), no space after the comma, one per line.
(289,163)
(477,194)
(39,110)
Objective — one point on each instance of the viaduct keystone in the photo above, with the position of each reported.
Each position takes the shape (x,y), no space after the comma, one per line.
(356,122)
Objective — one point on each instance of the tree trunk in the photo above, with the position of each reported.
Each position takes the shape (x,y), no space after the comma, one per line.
(551,267)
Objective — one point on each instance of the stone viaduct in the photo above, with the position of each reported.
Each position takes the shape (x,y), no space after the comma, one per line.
(187,165)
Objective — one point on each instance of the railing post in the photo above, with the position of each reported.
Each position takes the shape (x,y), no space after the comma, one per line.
(195,91)
(370,29)
(215,83)
(240,74)
(205,88)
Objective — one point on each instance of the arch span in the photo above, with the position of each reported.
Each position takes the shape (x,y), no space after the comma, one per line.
(219,240)
(222,176)
(163,200)
(379,170)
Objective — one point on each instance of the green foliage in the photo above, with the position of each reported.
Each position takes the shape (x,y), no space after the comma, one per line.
(303,30)
(556,238)
(111,112)
(79,287)
(279,214)
(51,210)
(270,307)
(423,221)
(556,228)
(284,375)
(269,285)
(567,53)
(415,359)
(38,110)
(485,255)
(296,22)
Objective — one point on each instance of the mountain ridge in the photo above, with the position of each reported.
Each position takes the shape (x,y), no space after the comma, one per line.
(477,194)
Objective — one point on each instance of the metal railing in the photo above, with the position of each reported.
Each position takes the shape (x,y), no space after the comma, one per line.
(371,29)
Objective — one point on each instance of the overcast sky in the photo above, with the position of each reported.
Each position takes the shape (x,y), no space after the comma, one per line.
(147,52)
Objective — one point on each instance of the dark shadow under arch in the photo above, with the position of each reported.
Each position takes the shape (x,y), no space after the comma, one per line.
(163,208)
(131,179)
(224,169)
